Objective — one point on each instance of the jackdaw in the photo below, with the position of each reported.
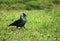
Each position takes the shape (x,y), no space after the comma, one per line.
(21,22)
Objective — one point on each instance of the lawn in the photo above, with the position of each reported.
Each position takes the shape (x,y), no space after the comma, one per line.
(41,25)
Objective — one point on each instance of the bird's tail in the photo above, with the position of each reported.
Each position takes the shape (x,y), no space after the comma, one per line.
(10,25)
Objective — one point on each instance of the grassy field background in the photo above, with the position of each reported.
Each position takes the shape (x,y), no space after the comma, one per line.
(29,4)
(42,25)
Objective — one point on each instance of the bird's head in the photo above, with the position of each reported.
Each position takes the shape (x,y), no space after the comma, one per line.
(24,14)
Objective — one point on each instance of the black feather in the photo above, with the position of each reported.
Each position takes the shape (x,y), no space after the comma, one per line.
(21,22)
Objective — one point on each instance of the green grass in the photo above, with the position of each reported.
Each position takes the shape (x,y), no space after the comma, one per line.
(29,4)
(42,25)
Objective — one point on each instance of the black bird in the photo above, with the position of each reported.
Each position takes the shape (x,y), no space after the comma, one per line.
(21,22)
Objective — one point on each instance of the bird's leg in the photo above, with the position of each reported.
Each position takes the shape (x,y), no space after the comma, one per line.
(16,26)
(24,26)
